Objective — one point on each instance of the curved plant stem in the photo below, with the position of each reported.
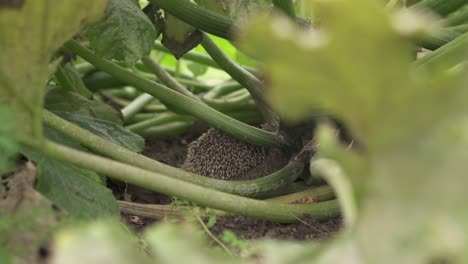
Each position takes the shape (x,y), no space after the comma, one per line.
(441,7)
(240,101)
(166,78)
(185,190)
(258,187)
(287,6)
(160,119)
(435,41)
(154,211)
(457,18)
(159,211)
(448,53)
(102,80)
(245,78)
(199,17)
(186,104)
(136,106)
(311,195)
(200,58)
(167,130)
(460,28)
(331,171)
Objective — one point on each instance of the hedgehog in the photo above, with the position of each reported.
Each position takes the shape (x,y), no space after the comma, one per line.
(218,155)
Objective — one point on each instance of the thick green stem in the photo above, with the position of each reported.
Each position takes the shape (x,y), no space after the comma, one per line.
(102,80)
(457,18)
(199,17)
(200,58)
(449,53)
(136,106)
(312,195)
(258,187)
(160,119)
(166,78)
(226,104)
(460,29)
(194,107)
(184,190)
(168,130)
(245,78)
(287,6)
(435,41)
(441,7)
(331,171)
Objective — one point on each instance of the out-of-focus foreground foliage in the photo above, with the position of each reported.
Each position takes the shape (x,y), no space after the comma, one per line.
(358,65)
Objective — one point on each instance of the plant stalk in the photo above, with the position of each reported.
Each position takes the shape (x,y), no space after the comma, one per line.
(136,106)
(185,190)
(218,120)
(245,78)
(251,188)
(166,78)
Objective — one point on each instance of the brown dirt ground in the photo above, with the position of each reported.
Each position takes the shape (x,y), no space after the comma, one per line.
(172,152)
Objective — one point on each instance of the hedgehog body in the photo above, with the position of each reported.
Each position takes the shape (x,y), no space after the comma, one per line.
(221,156)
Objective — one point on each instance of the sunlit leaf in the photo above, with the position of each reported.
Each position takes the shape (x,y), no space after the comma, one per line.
(8,145)
(30,32)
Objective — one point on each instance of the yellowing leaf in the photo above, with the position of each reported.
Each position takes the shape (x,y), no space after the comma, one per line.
(29,35)
(355,67)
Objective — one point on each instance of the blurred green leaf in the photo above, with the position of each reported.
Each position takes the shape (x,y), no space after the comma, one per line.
(197,69)
(412,119)
(30,32)
(99,242)
(58,99)
(166,241)
(125,34)
(8,145)
(370,84)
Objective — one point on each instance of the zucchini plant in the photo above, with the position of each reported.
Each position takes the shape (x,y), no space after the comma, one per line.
(368,96)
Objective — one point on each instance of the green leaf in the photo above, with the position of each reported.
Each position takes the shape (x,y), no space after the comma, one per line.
(124,34)
(30,32)
(81,192)
(78,191)
(239,10)
(70,80)
(99,242)
(61,100)
(8,145)
(197,69)
(107,130)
